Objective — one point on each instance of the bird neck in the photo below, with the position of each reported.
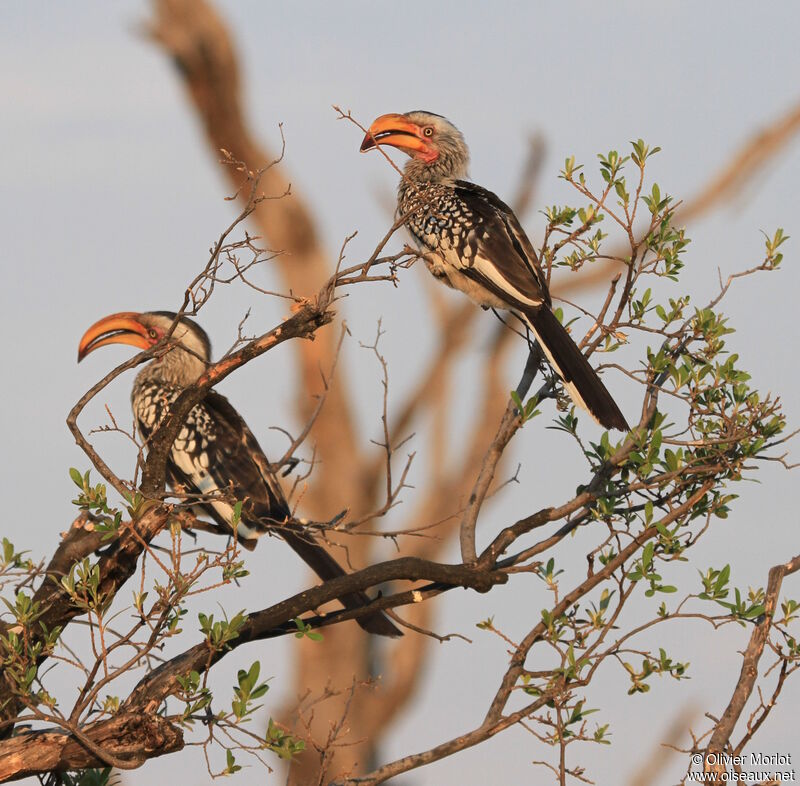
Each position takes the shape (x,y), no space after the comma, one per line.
(451,164)
(178,367)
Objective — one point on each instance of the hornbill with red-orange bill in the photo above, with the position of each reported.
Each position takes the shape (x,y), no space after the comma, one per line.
(474,242)
(215,455)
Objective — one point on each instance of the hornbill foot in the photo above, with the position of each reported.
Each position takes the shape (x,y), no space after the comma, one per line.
(529,374)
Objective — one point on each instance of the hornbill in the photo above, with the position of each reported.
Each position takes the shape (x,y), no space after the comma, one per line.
(215,455)
(475,243)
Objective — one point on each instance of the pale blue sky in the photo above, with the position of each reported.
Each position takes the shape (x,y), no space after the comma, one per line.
(109,200)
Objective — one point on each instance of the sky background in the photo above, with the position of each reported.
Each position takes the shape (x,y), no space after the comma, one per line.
(110,199)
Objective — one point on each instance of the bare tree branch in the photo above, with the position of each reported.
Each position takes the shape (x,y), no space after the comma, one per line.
(752,655)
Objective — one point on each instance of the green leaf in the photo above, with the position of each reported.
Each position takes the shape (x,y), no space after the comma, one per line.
(231,762)
(647,555)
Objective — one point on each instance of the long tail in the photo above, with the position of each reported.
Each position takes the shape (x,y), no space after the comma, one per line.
(326,567)
(580,379)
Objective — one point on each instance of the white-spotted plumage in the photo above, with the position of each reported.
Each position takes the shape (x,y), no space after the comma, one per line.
(215,459)
(473,241)
(191,452)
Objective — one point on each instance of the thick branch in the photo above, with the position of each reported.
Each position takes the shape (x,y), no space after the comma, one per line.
(116,566)
(129,738)
(509,426)
(749,673)
(160,683)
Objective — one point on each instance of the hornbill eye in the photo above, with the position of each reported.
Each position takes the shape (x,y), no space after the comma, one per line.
(152,333)
(427,131)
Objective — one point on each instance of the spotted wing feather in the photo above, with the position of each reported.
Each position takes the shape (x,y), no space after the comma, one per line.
(215,450)
(503,258)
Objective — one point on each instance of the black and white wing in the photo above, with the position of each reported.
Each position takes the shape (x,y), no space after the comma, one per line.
(215,452)
(497,252)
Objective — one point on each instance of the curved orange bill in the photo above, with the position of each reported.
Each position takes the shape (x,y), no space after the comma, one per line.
(394,130)
(122,328)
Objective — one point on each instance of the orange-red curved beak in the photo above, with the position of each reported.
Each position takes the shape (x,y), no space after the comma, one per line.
(397,131)
(122,328)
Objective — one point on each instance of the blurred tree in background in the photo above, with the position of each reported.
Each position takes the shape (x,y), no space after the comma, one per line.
(641,501)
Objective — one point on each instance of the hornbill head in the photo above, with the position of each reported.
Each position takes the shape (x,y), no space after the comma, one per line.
(191,347)
(425,136)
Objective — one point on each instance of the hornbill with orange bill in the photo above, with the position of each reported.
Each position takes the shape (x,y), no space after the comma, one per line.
(475,243)
(215,455)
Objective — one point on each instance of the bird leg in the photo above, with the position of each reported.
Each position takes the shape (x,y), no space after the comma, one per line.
(288,466)
(529,374)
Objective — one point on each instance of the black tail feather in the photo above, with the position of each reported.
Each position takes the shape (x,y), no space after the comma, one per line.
(580,379)
(326,567)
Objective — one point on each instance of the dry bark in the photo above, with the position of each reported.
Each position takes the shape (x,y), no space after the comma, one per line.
(125,741)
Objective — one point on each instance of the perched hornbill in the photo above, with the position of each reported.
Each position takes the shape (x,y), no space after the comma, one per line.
(476,244)
(214,451)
